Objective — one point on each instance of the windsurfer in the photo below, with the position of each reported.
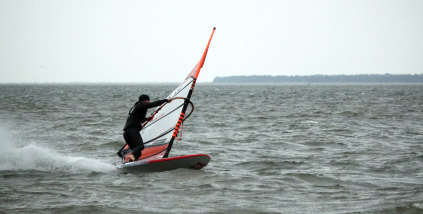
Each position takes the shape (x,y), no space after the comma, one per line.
(131,131)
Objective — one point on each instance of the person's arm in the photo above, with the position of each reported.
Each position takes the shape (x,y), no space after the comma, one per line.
(155,103)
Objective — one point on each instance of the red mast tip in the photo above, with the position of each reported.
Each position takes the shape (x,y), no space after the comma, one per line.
(214,28)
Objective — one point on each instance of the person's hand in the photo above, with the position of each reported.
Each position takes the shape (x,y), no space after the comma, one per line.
(166,100)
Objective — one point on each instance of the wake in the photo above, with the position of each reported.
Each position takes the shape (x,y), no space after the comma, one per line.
(36,157)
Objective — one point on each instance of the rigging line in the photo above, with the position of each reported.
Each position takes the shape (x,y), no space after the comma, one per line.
(170,100)
(182,118)
(180,133)
(171,129)
(159,136)
(149,123)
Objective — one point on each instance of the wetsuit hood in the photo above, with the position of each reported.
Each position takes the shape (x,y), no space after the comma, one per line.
(143,97)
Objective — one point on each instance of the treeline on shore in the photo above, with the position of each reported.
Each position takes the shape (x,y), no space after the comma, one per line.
(360,78)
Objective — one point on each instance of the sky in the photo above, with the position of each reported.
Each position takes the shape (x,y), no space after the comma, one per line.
(45,41)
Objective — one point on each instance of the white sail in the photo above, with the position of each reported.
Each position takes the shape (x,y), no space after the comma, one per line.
(159,133)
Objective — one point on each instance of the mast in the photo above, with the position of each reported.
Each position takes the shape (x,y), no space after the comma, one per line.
(194,74)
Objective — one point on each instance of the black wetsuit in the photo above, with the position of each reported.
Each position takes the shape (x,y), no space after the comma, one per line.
(131,131)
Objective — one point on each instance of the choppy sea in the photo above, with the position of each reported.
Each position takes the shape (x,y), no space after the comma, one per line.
(274,149)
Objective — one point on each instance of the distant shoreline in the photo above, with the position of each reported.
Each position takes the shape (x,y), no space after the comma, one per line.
(268,79)
(361,78)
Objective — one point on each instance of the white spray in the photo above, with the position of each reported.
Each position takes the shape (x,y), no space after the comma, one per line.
(35,157)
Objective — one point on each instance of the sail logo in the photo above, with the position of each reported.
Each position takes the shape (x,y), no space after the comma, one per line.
(159,142)
(179,89)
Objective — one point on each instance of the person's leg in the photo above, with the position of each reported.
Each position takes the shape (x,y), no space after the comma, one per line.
(134,141)
(137,150)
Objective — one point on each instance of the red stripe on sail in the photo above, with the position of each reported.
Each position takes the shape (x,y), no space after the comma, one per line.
(196,70)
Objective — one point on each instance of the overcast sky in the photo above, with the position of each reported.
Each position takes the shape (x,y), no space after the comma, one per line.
(161,41)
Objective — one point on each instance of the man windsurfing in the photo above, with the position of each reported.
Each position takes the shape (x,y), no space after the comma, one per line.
(131,131)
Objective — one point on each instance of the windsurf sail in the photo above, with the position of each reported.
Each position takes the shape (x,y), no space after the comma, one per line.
(160,132)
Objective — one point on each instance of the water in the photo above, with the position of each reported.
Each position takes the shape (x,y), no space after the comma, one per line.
(274,149)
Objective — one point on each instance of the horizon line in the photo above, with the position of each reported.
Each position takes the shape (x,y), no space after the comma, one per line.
(171,82)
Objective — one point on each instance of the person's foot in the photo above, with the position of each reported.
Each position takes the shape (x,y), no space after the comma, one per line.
(129,158)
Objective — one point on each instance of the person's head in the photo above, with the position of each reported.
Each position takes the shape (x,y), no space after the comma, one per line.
(144,98)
